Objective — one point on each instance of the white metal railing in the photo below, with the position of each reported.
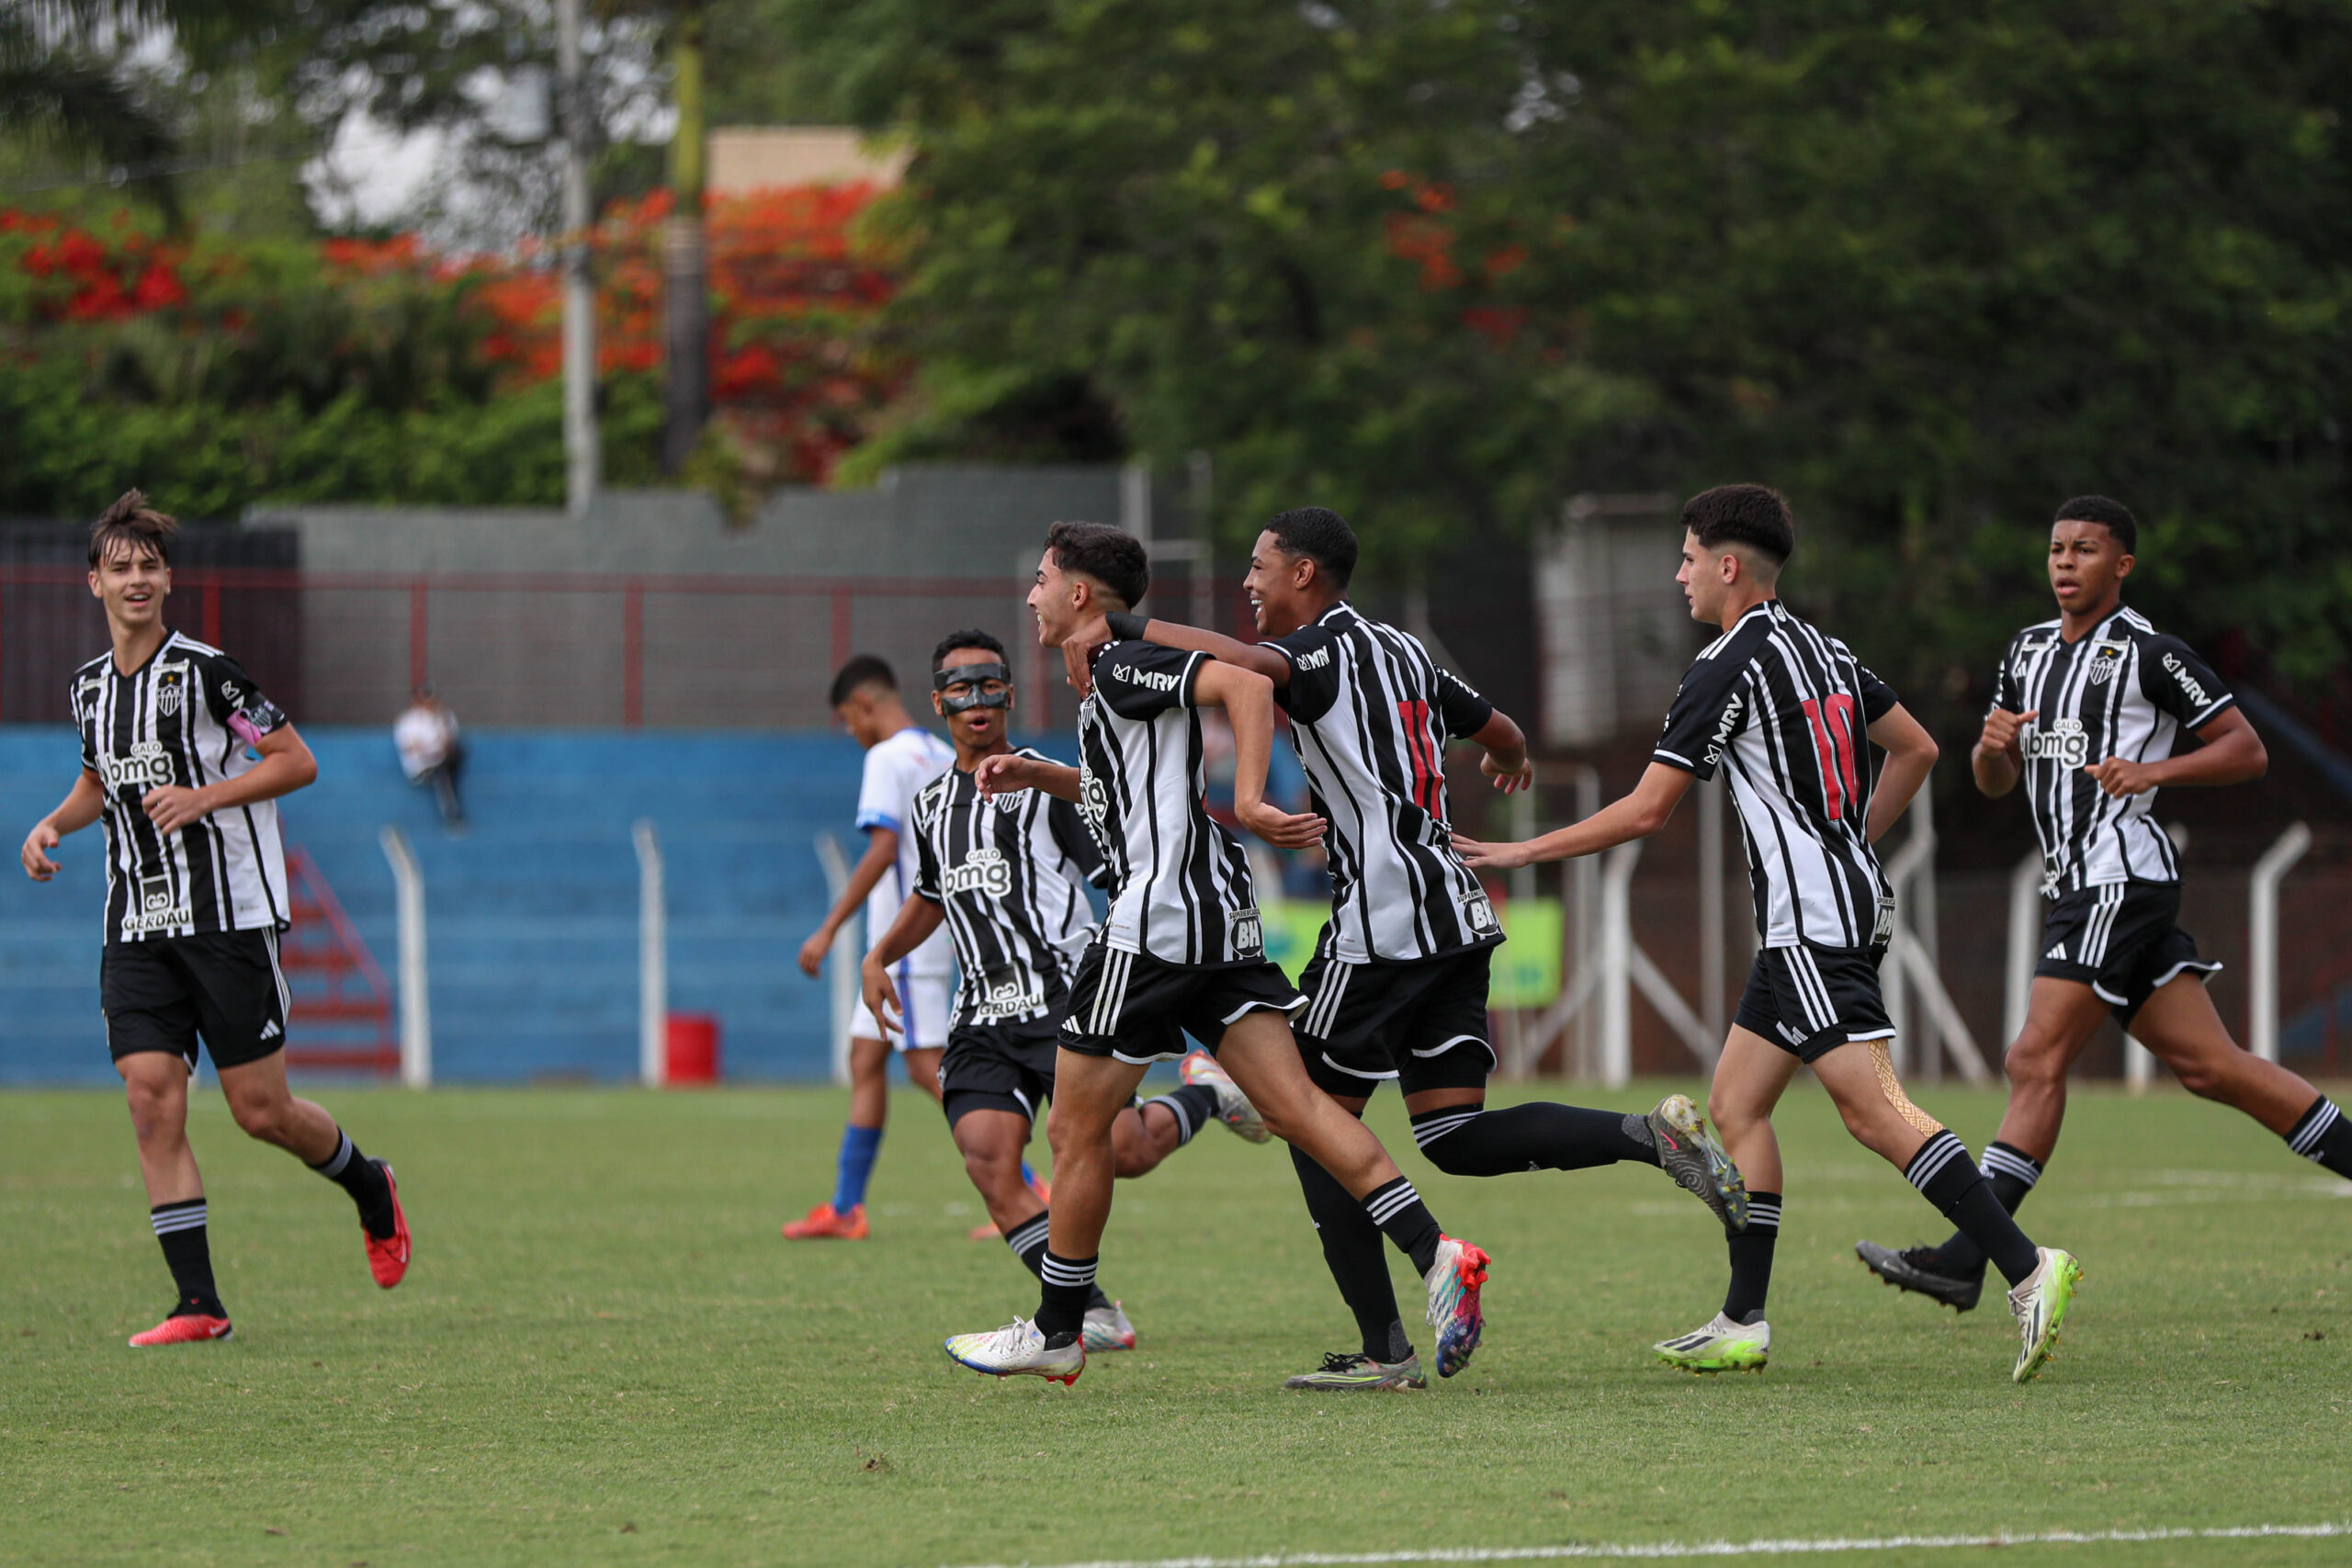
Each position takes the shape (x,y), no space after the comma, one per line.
(1910,966)
(2025,941)
(417,1007)
(848,949)
(2262,939)
(652,958)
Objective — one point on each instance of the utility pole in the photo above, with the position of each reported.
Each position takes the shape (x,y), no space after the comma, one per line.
(686,263)
(582,444)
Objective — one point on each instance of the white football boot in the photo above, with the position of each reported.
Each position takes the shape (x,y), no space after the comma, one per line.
(1018,1348)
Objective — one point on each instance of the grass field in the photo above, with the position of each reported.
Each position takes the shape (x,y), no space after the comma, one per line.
(603,1354)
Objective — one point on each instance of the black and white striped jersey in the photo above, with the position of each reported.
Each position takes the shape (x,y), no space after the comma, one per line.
(2124,690)
(1371,713)
(1180,883)
(1785,713)
(1010,876)
(187,717)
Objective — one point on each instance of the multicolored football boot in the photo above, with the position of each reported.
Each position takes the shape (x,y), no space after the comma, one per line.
(1018,1348)
(1690,1154)
(1233,1107)
(1107,1329)
(1453,1282)
(1352,1371)
(1722,1346)
(2040,1306)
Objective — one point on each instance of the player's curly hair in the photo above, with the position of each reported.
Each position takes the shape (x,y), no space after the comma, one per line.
(2116,517)
(1322,536)
(1754,516)
(132,524)
(1112,557)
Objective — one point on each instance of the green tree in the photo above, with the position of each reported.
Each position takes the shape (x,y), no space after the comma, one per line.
(1928,268)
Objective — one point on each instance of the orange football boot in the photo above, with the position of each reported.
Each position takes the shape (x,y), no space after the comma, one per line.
(823,1223)
(388,1258)
(184,1331)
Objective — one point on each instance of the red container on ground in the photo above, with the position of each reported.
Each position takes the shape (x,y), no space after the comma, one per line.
(693,1049)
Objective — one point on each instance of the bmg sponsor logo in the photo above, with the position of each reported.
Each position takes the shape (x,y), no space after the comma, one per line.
(2062,740)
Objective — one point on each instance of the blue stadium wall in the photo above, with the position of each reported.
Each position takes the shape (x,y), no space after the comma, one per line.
(532,913)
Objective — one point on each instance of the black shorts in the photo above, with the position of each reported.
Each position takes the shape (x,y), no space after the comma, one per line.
(1138,1009)
(163,993)
(998,1066)
(1423,1024)
(2120,940)
(1810,1000)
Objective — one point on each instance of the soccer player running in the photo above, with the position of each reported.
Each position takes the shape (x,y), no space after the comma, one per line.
(901,758)
(1182,952)
(184,760)
(1398,985)
(2087,712)
(1784,711)
(1007,877)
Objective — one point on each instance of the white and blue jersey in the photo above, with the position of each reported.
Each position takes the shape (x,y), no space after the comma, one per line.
(895,771)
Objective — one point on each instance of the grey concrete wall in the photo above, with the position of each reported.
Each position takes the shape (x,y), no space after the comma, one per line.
(555,656)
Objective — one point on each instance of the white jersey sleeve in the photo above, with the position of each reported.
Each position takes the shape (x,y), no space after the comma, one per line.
(896,769)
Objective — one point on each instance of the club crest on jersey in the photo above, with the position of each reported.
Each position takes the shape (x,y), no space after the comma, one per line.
(2107,658)
(167,693)
(1248,934)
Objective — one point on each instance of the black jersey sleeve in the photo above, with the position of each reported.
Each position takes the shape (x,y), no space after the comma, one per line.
(82,725)
(1878,697)
(235,698)
(1143,680)
(2008,695)
(1709,709)
(929,802)
(2181,683)
(1068,829)
(1313,654)
(1465,710)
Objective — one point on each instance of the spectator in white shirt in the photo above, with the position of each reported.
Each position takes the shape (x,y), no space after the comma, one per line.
(431,753)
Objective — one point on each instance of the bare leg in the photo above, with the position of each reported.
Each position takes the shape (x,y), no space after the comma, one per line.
(1090,1092)
(2178,1024)
(1261,1054)
(258,1098)
(869,1082)
(155,1084)
(922,1068)
(1141,1139)
(1751,1076)
(991,1142)
(2061,1017)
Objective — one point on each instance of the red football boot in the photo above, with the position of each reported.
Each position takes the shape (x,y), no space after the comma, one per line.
(186,1330)
(388,1258)
(825,1223)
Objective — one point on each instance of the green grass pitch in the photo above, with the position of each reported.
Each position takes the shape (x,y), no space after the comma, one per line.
(604,1354)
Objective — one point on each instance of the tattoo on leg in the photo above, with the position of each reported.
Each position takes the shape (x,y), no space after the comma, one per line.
(1889,1085)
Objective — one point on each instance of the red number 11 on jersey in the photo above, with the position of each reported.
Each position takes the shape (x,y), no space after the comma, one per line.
(1835,740)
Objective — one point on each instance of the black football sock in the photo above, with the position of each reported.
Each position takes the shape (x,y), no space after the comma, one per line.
(363,1180)
(1945,1175)
(1068,1291)
(1194,1107)
(1352,1249)
(1751,1259)
(1469,1140)
(1398,1211)
(2012,1174)
(2324,1137)
(180,1228)
(1027,1240)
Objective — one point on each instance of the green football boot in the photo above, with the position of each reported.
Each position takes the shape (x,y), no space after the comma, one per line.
(2040,1306)
(1354,1372)
(1722,1346)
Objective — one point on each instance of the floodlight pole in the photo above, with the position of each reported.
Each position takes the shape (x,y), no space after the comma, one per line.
(583,446)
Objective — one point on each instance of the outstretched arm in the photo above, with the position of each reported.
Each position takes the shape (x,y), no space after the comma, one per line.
(1006,773)
(1078,648)
(917,918)
(1247,699)
(1506,760)
(1911,753)
(1634,815)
